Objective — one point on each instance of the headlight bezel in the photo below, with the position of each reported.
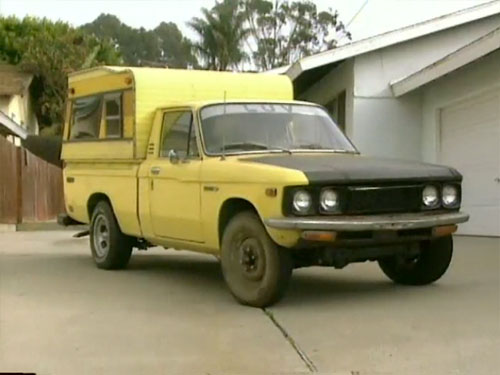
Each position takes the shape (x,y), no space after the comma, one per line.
(306,211)
(458,199)
(440,186)
(437,203)
(315,193)
(334,209)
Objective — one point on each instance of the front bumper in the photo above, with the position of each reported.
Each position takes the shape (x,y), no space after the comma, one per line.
(369,222)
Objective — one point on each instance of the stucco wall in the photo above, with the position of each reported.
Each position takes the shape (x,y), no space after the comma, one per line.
(388,127)
(338,80)
(472,80)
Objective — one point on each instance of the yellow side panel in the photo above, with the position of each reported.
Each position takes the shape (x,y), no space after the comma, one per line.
(67,117)
(156,88)
(128,114)
(89,150)
(117,181)
(104,83)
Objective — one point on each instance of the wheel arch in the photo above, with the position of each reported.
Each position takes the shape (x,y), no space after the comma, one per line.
(230,208)
(94,199)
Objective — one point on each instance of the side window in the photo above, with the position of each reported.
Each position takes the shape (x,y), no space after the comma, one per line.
(113,115)
(86,118)
(178,135)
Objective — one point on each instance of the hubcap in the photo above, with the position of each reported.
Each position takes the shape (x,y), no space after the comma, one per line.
(251,258)
(101,236)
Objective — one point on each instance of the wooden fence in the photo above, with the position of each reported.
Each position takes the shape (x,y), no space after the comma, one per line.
(30,188)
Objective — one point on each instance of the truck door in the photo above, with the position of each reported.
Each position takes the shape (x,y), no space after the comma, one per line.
(174,175)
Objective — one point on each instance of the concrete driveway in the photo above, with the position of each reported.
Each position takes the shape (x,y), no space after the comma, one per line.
(170,313)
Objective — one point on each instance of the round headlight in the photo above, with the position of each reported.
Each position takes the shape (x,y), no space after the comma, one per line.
(449,195)
(329,200)
(302,201)
(430,196)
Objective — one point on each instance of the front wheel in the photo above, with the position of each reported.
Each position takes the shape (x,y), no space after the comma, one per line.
(256,270)
(428,266)
(111,249)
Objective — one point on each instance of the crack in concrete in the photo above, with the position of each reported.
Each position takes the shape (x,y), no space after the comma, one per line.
(303,356)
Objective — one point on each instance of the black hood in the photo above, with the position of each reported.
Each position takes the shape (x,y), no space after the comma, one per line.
(343,168)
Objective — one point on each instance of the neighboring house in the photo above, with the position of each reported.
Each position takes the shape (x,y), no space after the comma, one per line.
(17,119)
(429,92)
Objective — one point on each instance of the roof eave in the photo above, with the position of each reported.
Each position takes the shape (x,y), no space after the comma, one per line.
(463,56)
(12,126)
(395,36)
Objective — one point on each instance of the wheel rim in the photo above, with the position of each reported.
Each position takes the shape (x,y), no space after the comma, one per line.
(101,236)
(251,258)
(408,263)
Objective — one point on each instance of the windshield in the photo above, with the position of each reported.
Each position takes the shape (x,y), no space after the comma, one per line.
(233,128)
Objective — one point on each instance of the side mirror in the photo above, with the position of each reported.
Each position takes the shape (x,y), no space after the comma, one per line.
(173,157)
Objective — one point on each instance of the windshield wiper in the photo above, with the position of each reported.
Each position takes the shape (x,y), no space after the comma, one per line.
(311,146)
(245,146)
(316,146)
(253,146)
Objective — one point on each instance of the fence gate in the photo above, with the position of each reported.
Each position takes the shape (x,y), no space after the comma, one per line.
(30,188)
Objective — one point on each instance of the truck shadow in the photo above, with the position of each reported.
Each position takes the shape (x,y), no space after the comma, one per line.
(187,275)
(306,286)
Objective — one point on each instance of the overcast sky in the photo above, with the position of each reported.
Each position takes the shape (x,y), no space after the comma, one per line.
(376,16)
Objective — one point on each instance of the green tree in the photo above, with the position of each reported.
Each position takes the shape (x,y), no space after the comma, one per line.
(135,45)
(51,50)
(165,45)
(284,31)
(176,50)
(221,35)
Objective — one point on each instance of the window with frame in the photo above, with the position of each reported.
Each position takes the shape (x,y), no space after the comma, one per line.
(178,134)
(113,115)
(86,118)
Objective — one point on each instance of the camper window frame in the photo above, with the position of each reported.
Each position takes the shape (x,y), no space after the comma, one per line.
(103,138)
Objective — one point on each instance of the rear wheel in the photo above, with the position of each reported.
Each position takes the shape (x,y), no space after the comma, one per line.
(256,270)
(428,266)
(110,248)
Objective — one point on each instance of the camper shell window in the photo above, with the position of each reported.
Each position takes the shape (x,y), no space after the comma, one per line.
(86,118)
(97,116)
(113,115)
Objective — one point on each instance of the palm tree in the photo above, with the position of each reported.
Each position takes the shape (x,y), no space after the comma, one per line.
(222,33)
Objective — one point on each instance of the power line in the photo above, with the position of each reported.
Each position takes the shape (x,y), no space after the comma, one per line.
(357,13)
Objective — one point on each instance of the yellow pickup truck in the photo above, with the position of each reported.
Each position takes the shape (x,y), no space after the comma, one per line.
(229,164)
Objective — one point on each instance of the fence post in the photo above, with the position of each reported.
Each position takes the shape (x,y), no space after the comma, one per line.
(19,184)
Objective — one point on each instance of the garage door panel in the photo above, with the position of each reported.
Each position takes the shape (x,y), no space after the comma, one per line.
(477,147)
(475,111)
(470,142)
(477,225)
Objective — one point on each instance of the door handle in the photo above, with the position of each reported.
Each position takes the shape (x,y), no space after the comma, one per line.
(155,170)
(497,179)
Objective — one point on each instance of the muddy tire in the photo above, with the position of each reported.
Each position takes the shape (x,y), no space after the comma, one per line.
(432,262)
(256,270)
(111,249)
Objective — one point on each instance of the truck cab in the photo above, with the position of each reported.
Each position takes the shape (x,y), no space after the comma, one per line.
(230,165)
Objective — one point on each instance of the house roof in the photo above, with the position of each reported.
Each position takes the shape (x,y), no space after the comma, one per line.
(462,56)
(393,37)
(13,81)
(10,127)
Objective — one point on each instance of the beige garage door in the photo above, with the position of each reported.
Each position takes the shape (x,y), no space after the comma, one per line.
(470,142)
